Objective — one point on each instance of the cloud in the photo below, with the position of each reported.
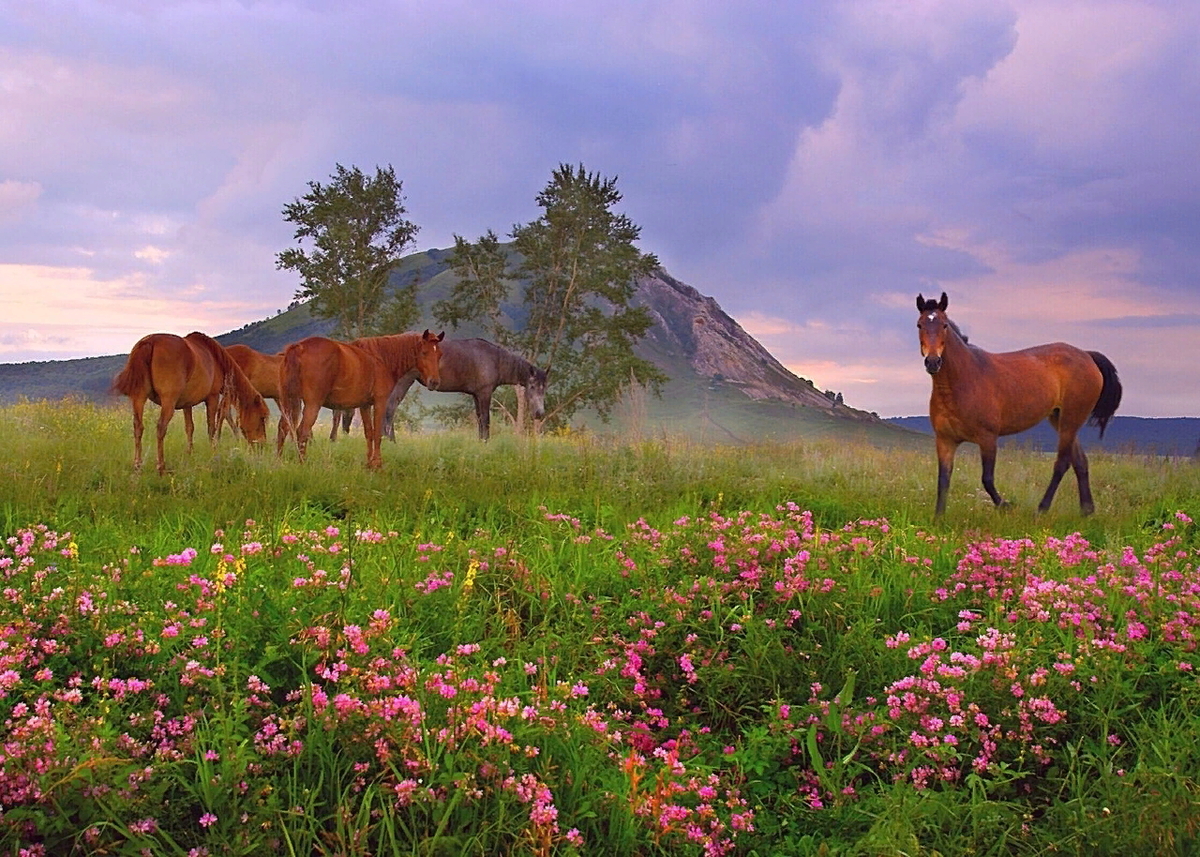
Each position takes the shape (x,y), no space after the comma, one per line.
(103,316)
(17,198)
(812,166)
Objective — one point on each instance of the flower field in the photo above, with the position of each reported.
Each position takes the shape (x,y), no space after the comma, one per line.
(550,675)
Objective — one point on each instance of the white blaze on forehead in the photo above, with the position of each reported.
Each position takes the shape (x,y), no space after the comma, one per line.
(931,316)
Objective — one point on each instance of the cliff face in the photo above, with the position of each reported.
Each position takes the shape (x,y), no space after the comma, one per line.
(691,325)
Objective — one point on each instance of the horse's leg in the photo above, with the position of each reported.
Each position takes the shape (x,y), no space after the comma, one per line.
(284,428)
(987,457)
(188,425)
(483,413)
(214,416)
(139,405)
(372,420)
(304,429)
(166,411)
(397,396)
(344,418)
(1061,462)
(1080,463)
(945,455)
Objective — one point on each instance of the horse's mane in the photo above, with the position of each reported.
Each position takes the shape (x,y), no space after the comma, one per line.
(235,378)
(398,351)
(957,330)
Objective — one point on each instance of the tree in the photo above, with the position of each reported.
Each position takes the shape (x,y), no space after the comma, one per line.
(482,271)
(358,231)
(579,266)
(579,263)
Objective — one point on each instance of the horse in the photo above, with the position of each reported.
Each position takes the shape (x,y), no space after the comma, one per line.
(180,372)
(979,396)
(261,369)
(476,367)
(320,372)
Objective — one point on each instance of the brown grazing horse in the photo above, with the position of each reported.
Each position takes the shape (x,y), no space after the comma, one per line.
(179,372)
(979,396)
(475,367)
(319,372)
(261,369)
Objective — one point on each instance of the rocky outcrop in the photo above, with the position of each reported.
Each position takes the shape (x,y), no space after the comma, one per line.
(689,324)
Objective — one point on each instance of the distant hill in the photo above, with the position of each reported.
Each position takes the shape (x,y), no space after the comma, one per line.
(1143,435)
(724,386)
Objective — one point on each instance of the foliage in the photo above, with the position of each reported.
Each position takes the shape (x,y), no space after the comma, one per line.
(579,264)
(481,269)
(566,646)
(358,232)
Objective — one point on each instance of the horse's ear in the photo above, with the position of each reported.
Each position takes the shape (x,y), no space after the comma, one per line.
(943,303)
(441,336)
(920,302)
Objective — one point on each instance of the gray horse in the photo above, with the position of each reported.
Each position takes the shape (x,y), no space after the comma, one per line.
(476,367)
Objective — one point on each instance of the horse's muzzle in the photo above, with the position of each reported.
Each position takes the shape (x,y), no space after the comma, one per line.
(933,364)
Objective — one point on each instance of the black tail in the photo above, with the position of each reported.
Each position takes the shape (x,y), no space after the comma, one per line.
(1110,393)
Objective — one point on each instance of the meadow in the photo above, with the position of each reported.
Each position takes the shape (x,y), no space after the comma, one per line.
(579,645)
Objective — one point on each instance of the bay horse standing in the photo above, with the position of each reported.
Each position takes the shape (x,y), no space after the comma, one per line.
(979,396)
(319,372)
(475,367)
(180,372)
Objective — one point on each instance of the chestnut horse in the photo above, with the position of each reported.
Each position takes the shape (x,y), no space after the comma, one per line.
(319,372)
(179,372)
(261,369)
(475,367)
(979,396)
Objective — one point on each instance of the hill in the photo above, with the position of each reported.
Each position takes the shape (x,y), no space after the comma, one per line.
(1177,436)
(724,387)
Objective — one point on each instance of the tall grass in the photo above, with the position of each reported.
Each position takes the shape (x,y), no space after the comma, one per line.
(584,645)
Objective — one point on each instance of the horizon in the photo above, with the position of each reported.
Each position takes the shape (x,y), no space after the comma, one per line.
(812,167)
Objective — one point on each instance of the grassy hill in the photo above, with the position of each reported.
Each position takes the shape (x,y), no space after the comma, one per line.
(741,395)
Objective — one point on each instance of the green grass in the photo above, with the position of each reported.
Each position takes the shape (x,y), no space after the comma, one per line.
(588,645)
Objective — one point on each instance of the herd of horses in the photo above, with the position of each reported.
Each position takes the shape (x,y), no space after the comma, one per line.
(370,374)
(977,397)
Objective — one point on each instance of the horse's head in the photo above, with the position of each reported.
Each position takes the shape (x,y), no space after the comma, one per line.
(933,329)
(429,358)
(252,419)
(535,391)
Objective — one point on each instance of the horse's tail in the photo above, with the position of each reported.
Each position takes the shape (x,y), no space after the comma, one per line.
(136,374)
(1110,393)
(290,391)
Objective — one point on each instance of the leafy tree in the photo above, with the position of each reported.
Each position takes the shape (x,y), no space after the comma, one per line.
(579,263)
(397,313)
(358,231)
(482,271)
(579,266)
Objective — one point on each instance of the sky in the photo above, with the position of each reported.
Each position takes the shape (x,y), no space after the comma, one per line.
(812,166)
